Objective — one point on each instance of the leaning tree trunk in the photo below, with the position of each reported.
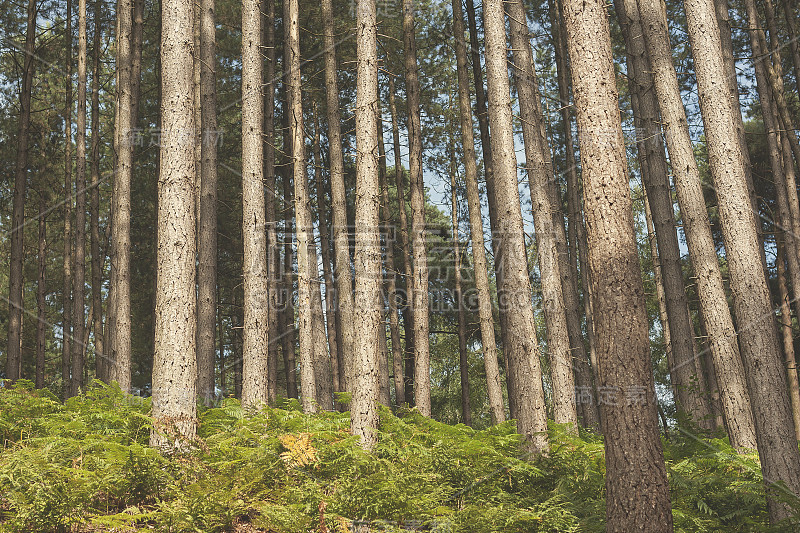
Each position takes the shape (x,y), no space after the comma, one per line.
(489,345)
(14,353)
(713,302)
(79,275)
(364,406)
(787,337)
(419,296)
(101,361)
(780,458)
(791,28)
(255,333)
(342,273)
(207,210)
(174,359)
(553,298)
(514,290)
(636,481)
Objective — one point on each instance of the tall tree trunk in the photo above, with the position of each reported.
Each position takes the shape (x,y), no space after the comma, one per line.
(15,301)
(791,29)
(713,302)
(463,361)
(655,178)
(364,408)
(780,458)
(634,458)
(788,339)
(101,361)
(419,296)
(391,273)
(66,327)
(408,313)
(304,230)
(521,345)
(238,320)
(587,407)
(553,299)
(174,360)
(489,345)
(207,210)
(324,244)
(287,314)
(121,200)
(342,273)
(255,333)
(41,293)
(79,276)
(273,253)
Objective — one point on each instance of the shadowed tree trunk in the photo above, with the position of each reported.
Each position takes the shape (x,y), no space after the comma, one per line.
(41,292)
(514,289)
(419,295)
(791,29)
(101,362)
(207,226)
(175,358)
(15,302)
(787,337)
(342,273)
(255,333)
(66,326)
(364,408)
(636,479)
(780,458)
(713,302)
(493,385)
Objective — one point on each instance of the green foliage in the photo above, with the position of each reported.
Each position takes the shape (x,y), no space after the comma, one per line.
(87,466)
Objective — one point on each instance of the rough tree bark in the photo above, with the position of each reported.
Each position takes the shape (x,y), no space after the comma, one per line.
(702,253)
(364,408)
(255,333)
(787,337)
(780,458)
(101,361)
(419,296)
(174,360)
(514,290)
(636,481)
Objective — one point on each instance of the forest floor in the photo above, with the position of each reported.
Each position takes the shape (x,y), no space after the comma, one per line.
(85,466)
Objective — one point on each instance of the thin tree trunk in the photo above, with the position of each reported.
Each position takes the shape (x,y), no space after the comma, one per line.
(304,231)
(342,273)
(391,274)
(408,313)
(41,293)
(287,314)
(273,253)
(324,244)
(791,29)
(121,200)
(238,320)
(79,276)
(788,339)
(577,240)
(255,333)
(15,280)
(521,347)
(101,362)
(713,302)
(553,298)
(175,359)
(489,345)
(636,480)
(364,411)
(66,327)
(207,226)
(780,458)
(419,297)
(463,361)
(655,178)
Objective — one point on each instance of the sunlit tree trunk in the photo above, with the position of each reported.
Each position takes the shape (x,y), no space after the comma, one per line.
(702,252)
(364,406)
(777,448)
(174,360)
